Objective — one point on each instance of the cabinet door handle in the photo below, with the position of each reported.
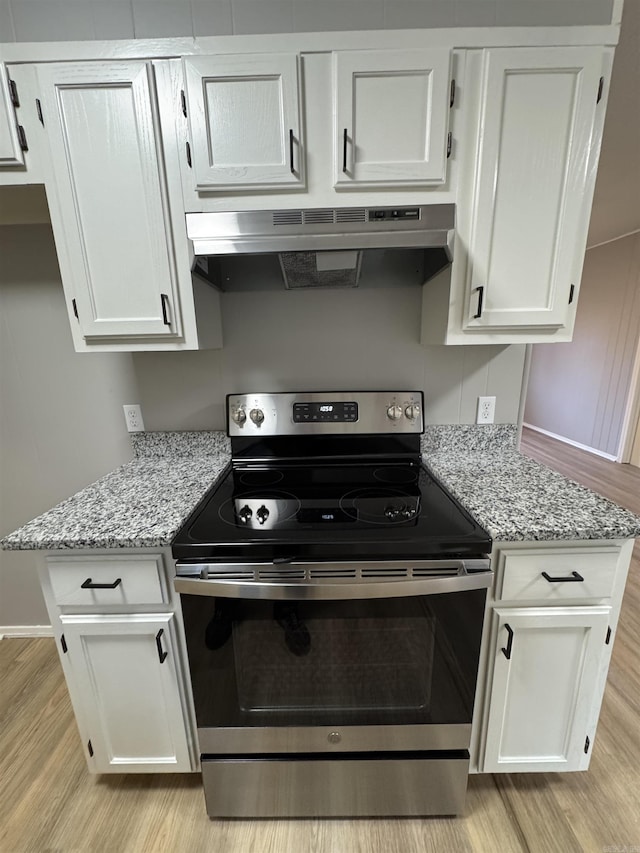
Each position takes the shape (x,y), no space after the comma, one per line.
(89,584)
(478,313)
(507,652)
(344,150)
(164,300)
(162,655)
(291,139)
(574,577)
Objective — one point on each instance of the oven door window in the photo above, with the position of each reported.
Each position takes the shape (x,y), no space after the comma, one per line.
(395,661)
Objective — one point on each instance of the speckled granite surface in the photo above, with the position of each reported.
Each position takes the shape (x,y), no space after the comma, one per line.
(144,503)
(139,505)
(515,498)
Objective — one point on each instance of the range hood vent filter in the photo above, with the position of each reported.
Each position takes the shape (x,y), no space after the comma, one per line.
(320,269)
(320,216)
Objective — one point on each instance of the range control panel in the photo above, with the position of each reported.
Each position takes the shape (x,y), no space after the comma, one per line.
(341,412)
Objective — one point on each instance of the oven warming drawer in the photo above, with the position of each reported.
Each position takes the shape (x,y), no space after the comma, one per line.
(356,785)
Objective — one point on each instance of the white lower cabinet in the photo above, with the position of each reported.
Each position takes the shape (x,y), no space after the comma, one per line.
(549,628)
(545,682)
(118,626)
(123,671)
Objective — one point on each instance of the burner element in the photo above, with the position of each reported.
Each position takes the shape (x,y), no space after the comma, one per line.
(380,505)
(263,510)
(261,477)
(396,474)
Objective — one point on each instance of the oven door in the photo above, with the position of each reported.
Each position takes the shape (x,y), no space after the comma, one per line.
(325,666)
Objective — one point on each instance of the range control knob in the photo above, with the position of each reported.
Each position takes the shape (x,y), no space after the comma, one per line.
(262,514)
(245,514)
(239,416)
(257,416)
(412,411)
(394,413)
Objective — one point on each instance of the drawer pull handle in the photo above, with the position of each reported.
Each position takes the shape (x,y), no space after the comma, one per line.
(574,577)
(89,584)
(161,653)
(507,652)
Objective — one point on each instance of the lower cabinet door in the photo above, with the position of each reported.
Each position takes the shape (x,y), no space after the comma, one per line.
(124,675)
(545,683)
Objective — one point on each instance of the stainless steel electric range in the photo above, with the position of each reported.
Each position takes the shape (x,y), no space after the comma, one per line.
(333,598)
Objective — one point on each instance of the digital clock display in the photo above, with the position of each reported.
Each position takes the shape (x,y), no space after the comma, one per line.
(330,412)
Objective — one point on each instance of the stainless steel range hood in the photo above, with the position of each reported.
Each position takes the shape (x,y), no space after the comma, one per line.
(323,247)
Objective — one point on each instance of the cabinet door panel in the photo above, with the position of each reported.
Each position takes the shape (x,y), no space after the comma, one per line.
(130,700)
(108,198)
(542,695)
(536,132)
(10,151)
(393,107)
(244,119)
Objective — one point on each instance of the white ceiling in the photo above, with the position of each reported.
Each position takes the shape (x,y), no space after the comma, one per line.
(616,206)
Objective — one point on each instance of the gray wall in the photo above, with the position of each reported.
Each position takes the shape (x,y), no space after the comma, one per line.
(579,390)
(335,340)
(61,421)
(44,20)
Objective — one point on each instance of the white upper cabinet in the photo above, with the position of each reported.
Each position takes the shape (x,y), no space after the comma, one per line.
(244,121)
(10,145)
(532,185)
(391,112)
(108,199)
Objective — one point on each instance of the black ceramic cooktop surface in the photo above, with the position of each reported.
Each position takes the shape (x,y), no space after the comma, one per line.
(285,511)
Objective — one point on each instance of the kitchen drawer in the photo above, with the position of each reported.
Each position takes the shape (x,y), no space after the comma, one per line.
(139,580)
(522,577)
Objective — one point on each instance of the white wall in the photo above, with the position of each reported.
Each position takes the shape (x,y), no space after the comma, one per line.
(61,421)
(579,390)
(55,20)
(325,340)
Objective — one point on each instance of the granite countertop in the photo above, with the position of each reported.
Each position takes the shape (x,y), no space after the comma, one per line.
(144,503)
(515,498)
(140,505)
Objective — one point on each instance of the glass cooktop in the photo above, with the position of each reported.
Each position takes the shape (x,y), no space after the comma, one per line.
(382,510)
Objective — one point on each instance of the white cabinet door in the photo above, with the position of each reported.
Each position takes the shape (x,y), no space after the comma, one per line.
(391,113)
(545,683)
(129,697)
(107,195)
(244,120)
(10,148)
(532,184)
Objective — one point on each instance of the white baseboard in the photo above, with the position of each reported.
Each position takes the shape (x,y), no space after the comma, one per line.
(572,443)
(8,631)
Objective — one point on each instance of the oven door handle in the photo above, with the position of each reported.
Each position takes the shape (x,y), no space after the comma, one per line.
(309,590)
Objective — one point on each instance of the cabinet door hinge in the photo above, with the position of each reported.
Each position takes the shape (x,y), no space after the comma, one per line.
(39,111)
(449,142)
(608,639)
(22,138)
(452,93)
(63,643)
(600,88)
(75,309)
(13,93)
(189,154)
(90,748)
(183,102)
(587,744)
(572,290)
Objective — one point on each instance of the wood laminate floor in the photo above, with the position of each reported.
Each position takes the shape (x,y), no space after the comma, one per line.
(49,802)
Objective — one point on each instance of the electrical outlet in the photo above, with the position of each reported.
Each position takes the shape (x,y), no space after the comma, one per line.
(486,410)
(133,417)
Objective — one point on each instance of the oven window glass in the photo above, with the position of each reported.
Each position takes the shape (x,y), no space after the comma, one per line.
(395,661)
